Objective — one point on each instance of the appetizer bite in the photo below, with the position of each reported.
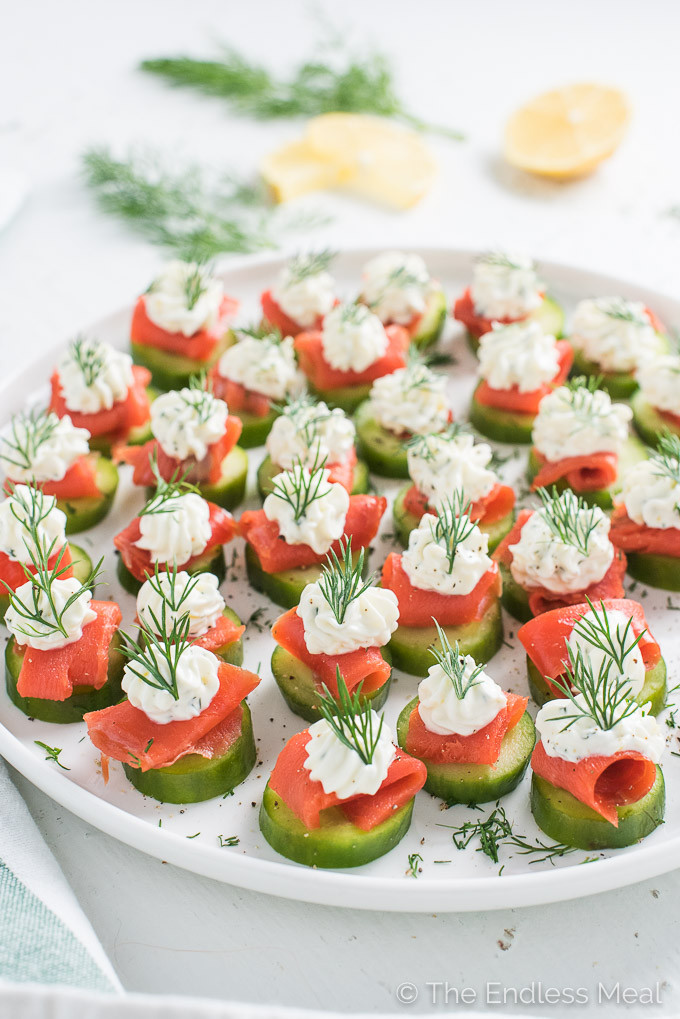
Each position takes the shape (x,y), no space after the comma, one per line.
(596,782)
(30,523)
(342,624)
(656,405)
(49,451)
(612,338)
(184,734)
(171,593)
(194,437)
(505,289)
(581,421)
(302,296)
(301,521)
(558,555)
(351,351)
(177,528)
(341,793)
(442,463)
(253,376)
(474,739)
(646,519)
(63,657)
(101,391)
(180,326)
(444,575)
(308,432)
(614,629)
(400,290)
(518,365)
(409,401)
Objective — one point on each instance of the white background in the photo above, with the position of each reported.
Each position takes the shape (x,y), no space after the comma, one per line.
(67,80)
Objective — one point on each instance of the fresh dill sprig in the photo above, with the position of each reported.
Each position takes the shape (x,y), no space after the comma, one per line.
(452,525)
(312,263)
(399,278)
(620,310)
(30,506)
(307,424)
(166,492)
(51,753)
(453,664)
(351,721)
(600,696)
(361,85)
(419,374)
(341,581)
(414,861)
(420,445)
(90,358)
(230,840)
(29,431)
(500,259)
(598,633)
(569,518)
(496,831)
(195,285)
(585,385)
(300,486)
(354,313)
(198,396)
(159,652)
(172,594)
(667,457)
(272,334)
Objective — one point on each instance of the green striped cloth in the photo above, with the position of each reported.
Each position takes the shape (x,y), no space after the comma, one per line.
(45,937)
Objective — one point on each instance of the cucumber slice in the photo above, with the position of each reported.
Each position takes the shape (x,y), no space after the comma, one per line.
(514,598)
(432,322)
(230,490)
(174,371)
(81,514)
(632,452)
(501,425)
(477,783)
(233,652)
(255,428)
(653,692)
(284,588)
(347,398)
(194,778)
(383,451)
(565,819)
(550,314)
(268,470)
(619,385)
(410,645)
(212,563)
(302,691)
(83,698)
(405,522)
(649,423)
(661,571)
(336,842)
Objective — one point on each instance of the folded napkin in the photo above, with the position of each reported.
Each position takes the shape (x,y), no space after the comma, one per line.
(45,937)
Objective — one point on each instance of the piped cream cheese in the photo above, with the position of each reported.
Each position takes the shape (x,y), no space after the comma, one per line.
(520,355)
(94,376)
(197,676)
(577,422)
(370,621)
(184,298)
(20,508)
(304,296)
(446,714)
(428,566)
(659,381)
(651,496)
(169,596)
(614,333)
(623,637)
(443,464)
(187,421)
(505,285)
(265,366)
(178,531)
(411,399)
(309,434)
(396,286)
(352,338)
(41,447)
(323,519)
(340,769)
(53,629)
(575,740)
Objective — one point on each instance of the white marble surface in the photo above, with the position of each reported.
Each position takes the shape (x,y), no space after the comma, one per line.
(67,79)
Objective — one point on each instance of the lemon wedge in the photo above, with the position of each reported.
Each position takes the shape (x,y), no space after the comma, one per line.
(567,132)
(367,155)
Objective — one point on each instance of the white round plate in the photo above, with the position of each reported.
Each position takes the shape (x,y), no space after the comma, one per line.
(191,837)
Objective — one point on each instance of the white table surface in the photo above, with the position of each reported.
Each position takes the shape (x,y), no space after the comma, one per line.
(68,79)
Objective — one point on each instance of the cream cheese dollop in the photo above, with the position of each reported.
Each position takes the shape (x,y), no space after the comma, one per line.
(178,531)
(426,564)
(659,381)
(310,433)
(304,296)
(186,421)
(577,422)
(542,559)
(339,768)
(370,621)
(651,496)
(16,540)
(185,298)
(94,376)
(633,672)
(505,286)
(614,333)
(50,446)
(443,464)
(266,366)
(322,523)
(583,738)
(43,634)
(444,713)
(352,338)
(411,399)
(197,596)
(396,286)
(198,681)
(520,355)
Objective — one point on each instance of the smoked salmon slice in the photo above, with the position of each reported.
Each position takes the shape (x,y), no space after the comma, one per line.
(366,665)
(79,482)
(198,347)
(169,467)
(312,362)
(490,508)
(225,631)
(237,397)
(582,473)
(517,402)
(129,413)
(632,537)
(127,734)
(482,747)
(417,607)
(477,325)
(13,573)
